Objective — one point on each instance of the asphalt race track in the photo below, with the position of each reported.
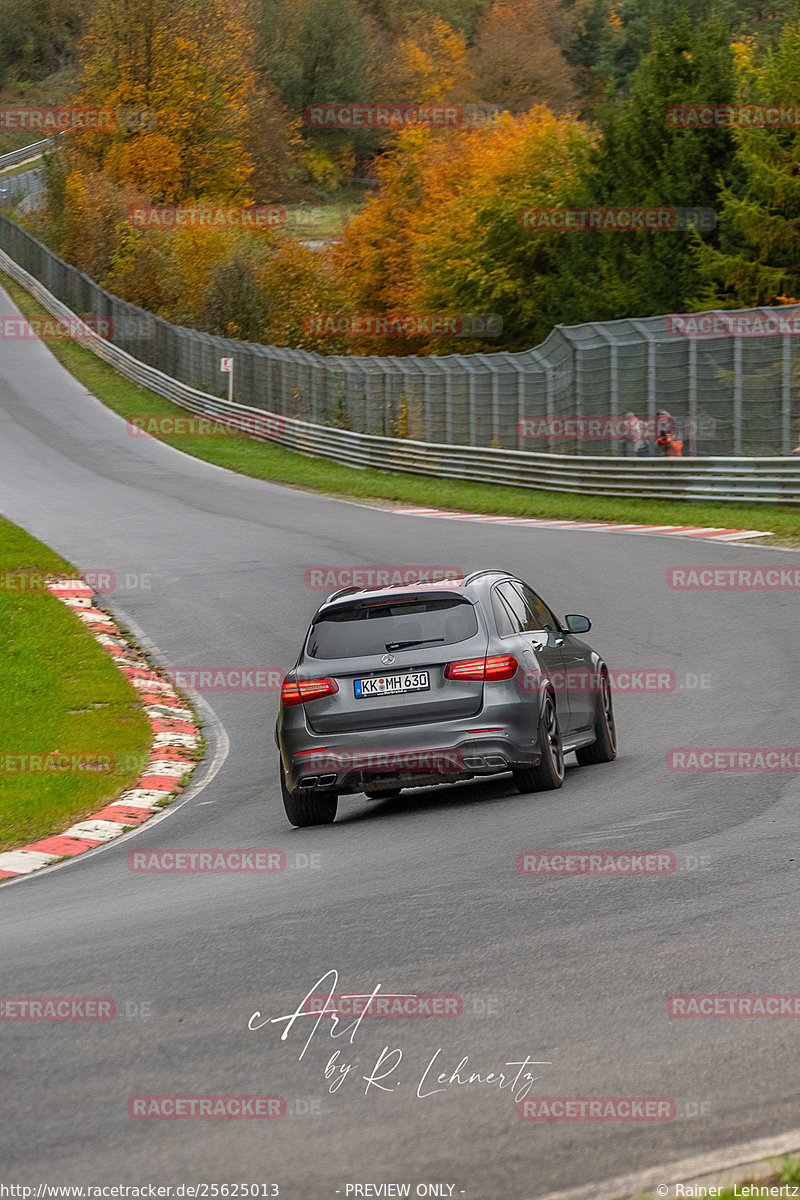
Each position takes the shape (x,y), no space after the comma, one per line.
(417,896)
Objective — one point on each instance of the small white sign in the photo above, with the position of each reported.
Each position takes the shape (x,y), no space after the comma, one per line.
(226,364)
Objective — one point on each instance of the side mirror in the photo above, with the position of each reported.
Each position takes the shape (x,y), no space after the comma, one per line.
(577,624)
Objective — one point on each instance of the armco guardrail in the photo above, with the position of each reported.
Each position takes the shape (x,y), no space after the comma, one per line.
(758,479)
(24,153)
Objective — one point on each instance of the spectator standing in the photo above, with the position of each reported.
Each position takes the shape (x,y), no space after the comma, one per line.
(635,438)
(666,440)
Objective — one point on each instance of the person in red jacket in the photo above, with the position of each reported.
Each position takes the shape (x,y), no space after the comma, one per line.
(666,441)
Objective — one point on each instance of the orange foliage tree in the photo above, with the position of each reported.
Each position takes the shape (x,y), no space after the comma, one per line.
(192,66)
(443,234)
(516,61)
(427,62)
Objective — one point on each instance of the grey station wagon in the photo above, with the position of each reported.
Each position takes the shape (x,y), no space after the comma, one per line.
(423,684)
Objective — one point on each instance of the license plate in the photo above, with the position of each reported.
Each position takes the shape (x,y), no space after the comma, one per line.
(392,685)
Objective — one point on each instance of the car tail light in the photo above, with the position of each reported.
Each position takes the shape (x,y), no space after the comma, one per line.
(300,691)
(497,666)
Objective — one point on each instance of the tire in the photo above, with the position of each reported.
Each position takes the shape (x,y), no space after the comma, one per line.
(549,774)
(604,748)
(312,808)
(388,795)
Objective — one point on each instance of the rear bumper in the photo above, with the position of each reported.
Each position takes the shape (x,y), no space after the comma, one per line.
(410,756)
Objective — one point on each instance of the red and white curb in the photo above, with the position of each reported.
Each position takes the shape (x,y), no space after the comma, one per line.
(686,531)
(175,737)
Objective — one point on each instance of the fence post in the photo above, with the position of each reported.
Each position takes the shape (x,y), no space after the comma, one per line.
(579,395)
(693,397)
(388,407)
(549,393)
(786,395)
(613,383)
(737,396)
(520,406)
(427,379)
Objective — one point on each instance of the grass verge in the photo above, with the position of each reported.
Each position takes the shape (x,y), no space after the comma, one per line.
(322,221)
(59,693)
(268,460)
(785,1176)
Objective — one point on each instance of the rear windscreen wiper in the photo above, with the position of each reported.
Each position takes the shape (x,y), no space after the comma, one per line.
(413,642)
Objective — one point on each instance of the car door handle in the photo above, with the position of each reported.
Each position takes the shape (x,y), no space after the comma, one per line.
(553,640)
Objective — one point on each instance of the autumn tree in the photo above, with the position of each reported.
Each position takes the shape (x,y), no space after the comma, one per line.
(516,62)
(94,213)
(444,234)
(396,19)
(191,65)
(234,304)
(428,62)
(318,52)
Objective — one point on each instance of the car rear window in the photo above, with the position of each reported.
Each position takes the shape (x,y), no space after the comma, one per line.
(368,628)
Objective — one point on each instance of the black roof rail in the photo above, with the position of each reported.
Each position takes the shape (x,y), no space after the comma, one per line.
(487,571)
(410,584)
(342,592)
